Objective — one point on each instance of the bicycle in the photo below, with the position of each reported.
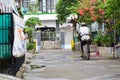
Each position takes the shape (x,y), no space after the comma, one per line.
(86,49)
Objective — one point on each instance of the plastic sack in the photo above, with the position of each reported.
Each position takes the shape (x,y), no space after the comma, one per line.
(19,43)
(19,37)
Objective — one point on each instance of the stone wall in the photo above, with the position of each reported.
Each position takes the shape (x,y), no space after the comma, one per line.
(117,51)
(106,52)
(50,44)
(93,48)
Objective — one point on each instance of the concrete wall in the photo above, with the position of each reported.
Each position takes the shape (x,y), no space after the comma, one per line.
(106,52)
(117,51)
(50,45)
(49,23)
(68,38)
(48,19)
(42,16)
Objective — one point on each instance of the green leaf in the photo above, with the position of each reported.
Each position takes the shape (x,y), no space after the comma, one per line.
(32,21)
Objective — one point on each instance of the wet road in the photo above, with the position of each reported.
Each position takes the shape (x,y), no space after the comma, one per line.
(67,65)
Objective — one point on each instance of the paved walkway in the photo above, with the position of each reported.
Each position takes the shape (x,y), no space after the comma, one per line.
(67,65)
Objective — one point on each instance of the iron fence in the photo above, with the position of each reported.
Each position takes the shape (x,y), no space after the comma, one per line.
(6,41)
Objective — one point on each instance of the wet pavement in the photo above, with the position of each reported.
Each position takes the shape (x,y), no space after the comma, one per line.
(67,65)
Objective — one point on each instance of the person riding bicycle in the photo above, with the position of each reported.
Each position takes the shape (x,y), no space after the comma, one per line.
(84,36)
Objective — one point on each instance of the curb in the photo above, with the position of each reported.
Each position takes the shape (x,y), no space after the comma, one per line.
(8,77)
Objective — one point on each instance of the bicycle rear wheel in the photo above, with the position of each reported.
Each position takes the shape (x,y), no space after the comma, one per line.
(87,51)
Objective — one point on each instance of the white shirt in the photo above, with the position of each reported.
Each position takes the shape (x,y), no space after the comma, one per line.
(84,32)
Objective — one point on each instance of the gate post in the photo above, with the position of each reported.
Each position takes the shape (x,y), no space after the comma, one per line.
(38,43)
(62,40)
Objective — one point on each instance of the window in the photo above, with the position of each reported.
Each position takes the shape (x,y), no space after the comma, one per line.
(44,5)
(26,3)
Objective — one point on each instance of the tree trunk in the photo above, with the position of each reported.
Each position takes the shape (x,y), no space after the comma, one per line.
(19,3)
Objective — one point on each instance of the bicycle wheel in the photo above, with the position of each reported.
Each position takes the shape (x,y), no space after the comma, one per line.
(86,51)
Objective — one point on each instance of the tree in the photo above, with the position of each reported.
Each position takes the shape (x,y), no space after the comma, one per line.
(34,7)
(90,11)
(31,23)
(113,16)
(87,10)
(113,13)
(64,8)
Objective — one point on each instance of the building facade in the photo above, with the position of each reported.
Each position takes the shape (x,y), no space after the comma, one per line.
(46,11)
(47,14)
(46,6)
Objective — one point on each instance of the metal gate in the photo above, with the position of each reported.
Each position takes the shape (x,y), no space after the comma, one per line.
(6,41)
(50,40)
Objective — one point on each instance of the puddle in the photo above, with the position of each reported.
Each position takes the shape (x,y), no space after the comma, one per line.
(37,66)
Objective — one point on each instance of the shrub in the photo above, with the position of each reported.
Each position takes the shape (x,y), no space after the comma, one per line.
(31,46)
(107,40)
(104,40)
(98,39)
